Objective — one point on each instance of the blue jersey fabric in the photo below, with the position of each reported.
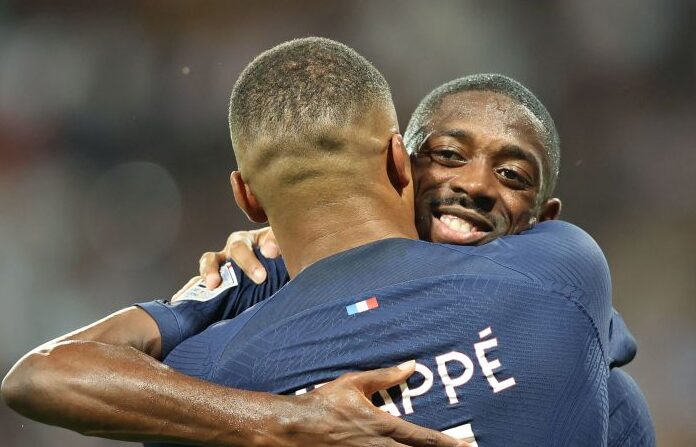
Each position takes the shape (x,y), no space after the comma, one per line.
(182,319)
(630,424)
(537,303)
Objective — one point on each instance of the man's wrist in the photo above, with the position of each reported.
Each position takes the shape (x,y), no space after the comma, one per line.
(277,422)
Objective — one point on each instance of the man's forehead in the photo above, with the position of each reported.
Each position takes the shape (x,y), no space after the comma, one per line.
(491,112)
(493,108)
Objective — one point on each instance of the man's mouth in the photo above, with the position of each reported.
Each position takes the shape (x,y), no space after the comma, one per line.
(462,228)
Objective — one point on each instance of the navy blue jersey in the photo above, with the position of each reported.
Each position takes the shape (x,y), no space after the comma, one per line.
(511,338)
(182,319)
(187,317)
(630,424)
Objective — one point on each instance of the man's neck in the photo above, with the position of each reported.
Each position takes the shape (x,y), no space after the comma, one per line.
(308,236)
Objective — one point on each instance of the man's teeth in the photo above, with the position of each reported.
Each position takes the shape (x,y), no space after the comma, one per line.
(457,224)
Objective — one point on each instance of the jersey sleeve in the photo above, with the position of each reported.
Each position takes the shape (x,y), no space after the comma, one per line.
(199,308)
(630,423)
(559,255)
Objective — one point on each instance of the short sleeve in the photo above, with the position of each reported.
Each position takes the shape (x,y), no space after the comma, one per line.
(200,308)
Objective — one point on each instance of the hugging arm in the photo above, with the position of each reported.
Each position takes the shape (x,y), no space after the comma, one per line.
(105,380)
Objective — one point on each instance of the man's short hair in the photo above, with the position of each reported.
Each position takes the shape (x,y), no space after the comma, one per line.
(417,130)
(299,93)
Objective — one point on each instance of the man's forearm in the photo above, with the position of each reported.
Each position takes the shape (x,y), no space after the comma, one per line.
(118,392)
(104,380)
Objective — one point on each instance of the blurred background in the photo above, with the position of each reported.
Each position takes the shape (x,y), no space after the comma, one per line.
(115,154)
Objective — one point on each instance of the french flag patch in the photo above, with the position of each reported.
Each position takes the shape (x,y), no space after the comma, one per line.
(362,306)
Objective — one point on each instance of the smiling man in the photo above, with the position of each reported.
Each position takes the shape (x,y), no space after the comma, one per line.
(503,147)
(511,338)
(106,379)
(485,158)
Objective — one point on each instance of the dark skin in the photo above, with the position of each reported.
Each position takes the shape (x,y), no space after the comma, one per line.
(480,174)
(105,379)
(483,162)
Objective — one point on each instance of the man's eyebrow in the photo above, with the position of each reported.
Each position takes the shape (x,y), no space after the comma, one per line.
(455,133)
(516,152)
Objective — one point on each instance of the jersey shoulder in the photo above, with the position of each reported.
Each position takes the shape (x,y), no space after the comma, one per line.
(552,251)
(630,423)
(558,256)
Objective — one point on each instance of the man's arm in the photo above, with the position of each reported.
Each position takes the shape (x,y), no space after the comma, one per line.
(103,380)
(194,307)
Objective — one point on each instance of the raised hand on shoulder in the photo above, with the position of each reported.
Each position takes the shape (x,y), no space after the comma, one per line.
(240,249)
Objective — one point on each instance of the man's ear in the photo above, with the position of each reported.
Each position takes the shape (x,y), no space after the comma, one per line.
(246,200)
(550,209)
(398,163)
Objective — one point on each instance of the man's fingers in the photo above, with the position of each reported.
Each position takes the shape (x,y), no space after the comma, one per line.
(369,382)
(406,433)
(241,252)
(270,249)
(209,268)
(269,244)
(416,436)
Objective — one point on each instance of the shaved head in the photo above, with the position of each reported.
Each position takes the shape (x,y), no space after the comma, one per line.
(319,152)
(299,101)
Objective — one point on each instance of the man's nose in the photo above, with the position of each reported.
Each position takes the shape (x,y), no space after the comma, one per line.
(477,181)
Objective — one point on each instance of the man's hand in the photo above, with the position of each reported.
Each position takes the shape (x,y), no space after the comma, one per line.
(119,392)
(340,413)
(240,248)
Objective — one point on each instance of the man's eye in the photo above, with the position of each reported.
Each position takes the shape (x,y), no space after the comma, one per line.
(508,173)
(447,157)
(513,176)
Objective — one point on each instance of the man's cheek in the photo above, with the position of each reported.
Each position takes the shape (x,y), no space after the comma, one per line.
(423,223)
(522,221)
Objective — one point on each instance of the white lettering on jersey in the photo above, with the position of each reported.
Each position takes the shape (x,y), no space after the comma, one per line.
(444,367)
(464,432)
(488,366)
(407,393)
(449,382)
(389,405)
